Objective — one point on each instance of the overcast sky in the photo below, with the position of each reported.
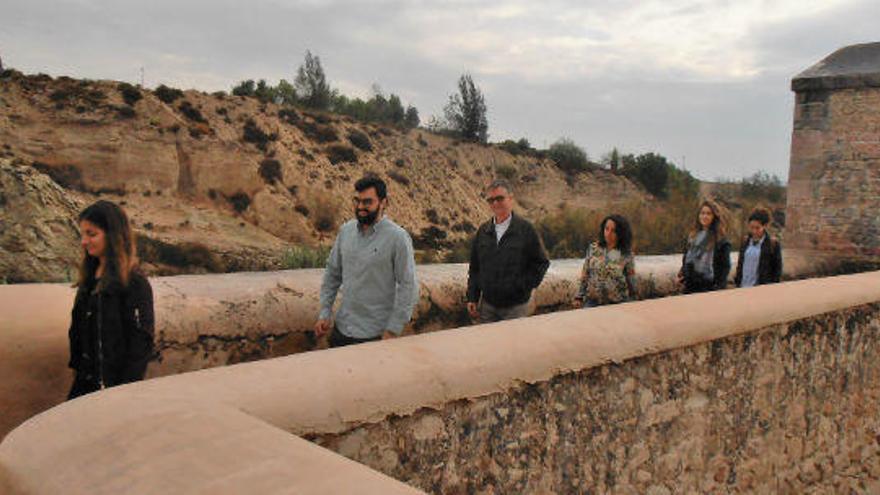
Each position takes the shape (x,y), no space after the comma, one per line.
(705,83)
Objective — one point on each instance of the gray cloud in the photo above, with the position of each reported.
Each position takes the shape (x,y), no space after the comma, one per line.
(704,80)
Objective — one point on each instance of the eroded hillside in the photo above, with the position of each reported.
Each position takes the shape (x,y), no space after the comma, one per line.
(227,183)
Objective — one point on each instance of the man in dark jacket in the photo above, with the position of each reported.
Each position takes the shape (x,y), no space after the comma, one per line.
(508,261)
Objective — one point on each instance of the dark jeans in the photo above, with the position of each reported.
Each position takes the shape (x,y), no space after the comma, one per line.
(491,314)
(339,339)
(82,385)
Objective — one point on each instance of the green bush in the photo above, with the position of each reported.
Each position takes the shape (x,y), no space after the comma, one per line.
(568,156)
(167,94)
(658,228)
(125,112)
(508,172)
(185,255)
(339,153)
(130,94)
(516,147)
(253,134)
(191,112)
(323,214)
(317,131)
(298,257)
(270,170)
(240,201)
(360,140)
(399,178)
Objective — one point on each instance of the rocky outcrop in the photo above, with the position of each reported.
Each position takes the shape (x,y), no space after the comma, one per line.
(45,247)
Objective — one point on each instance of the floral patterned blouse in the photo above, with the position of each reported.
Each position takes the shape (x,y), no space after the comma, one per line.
(608,276)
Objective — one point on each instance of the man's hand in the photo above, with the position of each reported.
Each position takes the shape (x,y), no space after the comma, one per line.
(472,310)
(322,327)
(578,303)
(388,334)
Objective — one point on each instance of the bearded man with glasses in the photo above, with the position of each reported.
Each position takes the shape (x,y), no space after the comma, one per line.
(508,261)
(372,261)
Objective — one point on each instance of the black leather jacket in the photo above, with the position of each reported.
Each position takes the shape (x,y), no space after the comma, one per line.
(111,332)
(505,273)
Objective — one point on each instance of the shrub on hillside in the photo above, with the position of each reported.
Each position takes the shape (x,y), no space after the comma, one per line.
(323,214)
(508,172)
(167,94)
(317,132)
(239,201)
(516,147)
(253,134)
(79,94)
(130,94)
(289,115)
(191,112)
(568,156)
(762,185)
(339,153)
(125,112)
(186,255)
(399,178)
(360,140)
(659,229)
(270,170)
(431,237)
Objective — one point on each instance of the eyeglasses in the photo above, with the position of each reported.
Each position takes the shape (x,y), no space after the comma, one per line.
(495,199)
(365,202)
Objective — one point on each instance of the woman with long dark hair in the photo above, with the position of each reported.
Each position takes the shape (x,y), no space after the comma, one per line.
(111,328)
(608,274)
(705,264)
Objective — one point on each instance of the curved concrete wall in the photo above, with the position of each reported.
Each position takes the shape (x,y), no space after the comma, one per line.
(212,320)
(213,430)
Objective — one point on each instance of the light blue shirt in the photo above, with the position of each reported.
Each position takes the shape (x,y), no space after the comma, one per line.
(751,258)
(376,270)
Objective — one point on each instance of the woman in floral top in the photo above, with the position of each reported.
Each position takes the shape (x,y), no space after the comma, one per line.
(608,275)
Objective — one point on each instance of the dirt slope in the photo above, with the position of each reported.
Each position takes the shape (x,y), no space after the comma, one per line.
(232,182)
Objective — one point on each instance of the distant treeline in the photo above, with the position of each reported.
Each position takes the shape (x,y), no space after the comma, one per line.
(311,89)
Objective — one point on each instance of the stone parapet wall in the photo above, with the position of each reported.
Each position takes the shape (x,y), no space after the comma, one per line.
(789,409)
(204,321)
(766,390)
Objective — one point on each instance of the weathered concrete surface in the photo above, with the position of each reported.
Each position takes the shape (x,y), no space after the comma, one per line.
(834,176)
(705,391)
(855,66)
(213,320)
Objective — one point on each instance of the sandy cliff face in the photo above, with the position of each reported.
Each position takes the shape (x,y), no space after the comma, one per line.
(246,179)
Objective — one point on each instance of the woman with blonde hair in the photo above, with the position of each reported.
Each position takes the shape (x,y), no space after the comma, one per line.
(705,264)
(111,328)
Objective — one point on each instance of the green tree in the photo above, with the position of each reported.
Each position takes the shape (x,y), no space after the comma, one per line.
(411,118)
(466,111)
(311,83)
(569,156)
(285,93)
(612,160)
(244,88)
(657,175)
(264,92)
